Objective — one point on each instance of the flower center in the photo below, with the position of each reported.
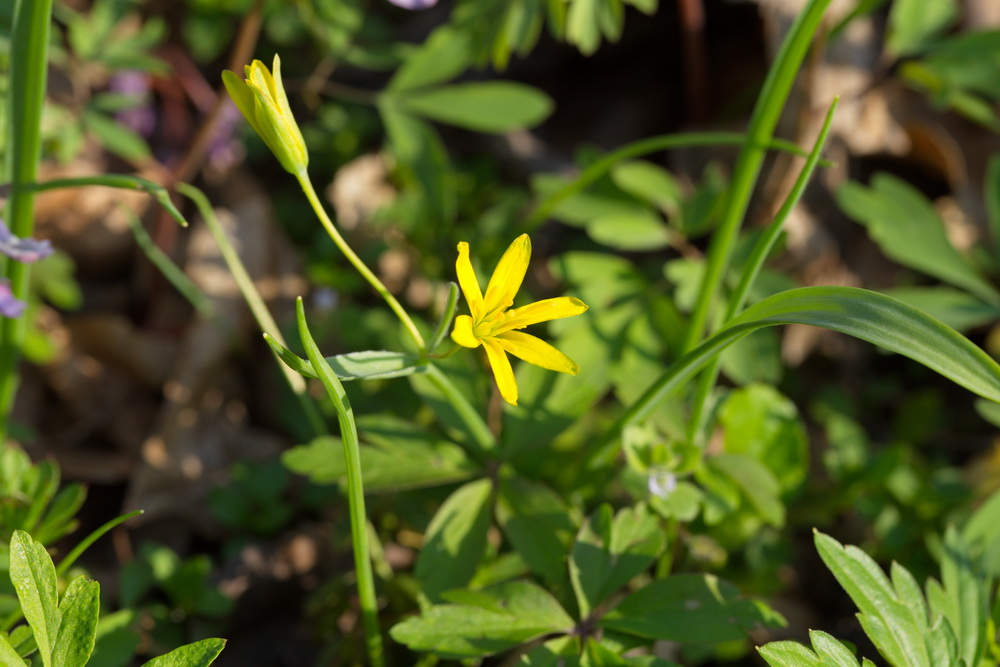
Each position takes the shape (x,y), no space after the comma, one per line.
(484,328)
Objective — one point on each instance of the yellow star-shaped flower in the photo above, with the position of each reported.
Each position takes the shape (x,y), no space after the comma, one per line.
(494,323)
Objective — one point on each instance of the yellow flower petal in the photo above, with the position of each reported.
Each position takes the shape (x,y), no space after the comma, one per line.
(502,371)
(468,282)
(536,351)
(508,275)
(541,311)
(462,334)
(242,97)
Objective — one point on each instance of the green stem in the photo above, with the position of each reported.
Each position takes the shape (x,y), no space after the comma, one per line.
(761,251)
(643,147)
(356,262)
(760,133)
(122,181)
(253,299)
(355,489)
(483,440)
(29,52)
(447,315)
(173,273)
(78,550)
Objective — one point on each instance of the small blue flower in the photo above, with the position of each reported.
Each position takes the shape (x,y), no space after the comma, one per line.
(414,4)
(10,306)
(22,250)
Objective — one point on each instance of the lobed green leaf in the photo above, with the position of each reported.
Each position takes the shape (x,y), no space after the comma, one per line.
(688,608)
(484,622)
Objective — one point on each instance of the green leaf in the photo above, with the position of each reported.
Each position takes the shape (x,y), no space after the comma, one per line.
(8,656)
(80,609)
(957,308)
(991,197)
(34,579)
(967,63)
(682,504)
(914,24)
(198,654)
(484,622)
(455,540)
(491,106)
(909,593)
(760,422)
(117,138)
(755,481)
(116,641)
(870,316)
(909,231)
(538,524)
(755,358)
(367,365)
(596,655)
(831,651)
(419,148)
(559,652)
(966,605)
(644,6)
(942,644)
(609,552)
(980,530)
(443,56)
(649,182)
(549,403)
(788,654)
(397,455)
(688,608)
(643,230)
(582,25)
(888,623)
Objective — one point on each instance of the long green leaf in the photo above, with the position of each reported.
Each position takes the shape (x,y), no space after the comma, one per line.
(864,314)
(122,181)
(770,103)
(29,50)
(637,149)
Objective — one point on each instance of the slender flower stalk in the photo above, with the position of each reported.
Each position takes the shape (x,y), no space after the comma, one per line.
(262,100)
(359,265)
(494,324)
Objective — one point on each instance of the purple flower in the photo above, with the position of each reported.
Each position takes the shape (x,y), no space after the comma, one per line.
(10,306)
(22,250)
(140,118)
(414,4)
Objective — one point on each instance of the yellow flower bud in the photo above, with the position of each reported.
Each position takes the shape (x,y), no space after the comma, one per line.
(262,100)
